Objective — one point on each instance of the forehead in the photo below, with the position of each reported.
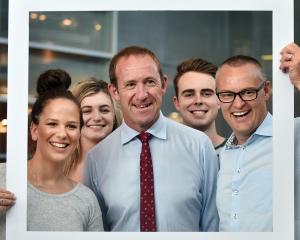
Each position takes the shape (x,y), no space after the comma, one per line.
(238,77)
(98,99)
(135,66)
(61,107)
(196,80)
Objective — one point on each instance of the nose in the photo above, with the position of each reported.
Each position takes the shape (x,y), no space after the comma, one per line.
(96,115)
(62,132)
(238,102)
(141,92)
(198,99)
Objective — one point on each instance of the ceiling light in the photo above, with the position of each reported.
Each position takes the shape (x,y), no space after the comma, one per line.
(67,22)
(42,17)
(34,15)
(98,26)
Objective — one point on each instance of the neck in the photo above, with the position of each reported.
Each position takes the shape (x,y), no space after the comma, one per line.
(211,132)
(47,170)
(47,176)
(85,146)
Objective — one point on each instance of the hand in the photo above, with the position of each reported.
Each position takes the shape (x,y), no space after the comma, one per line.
(7,199)
(290,63)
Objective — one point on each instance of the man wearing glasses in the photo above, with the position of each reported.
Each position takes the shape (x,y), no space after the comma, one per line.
(244,190)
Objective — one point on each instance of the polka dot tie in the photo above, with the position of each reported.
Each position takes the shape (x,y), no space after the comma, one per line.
(147,204)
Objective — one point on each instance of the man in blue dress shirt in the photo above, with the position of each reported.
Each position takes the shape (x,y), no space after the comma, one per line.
(290,63)
(184,161)
(244,187)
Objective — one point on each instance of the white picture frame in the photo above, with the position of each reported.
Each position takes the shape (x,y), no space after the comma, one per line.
(18,55)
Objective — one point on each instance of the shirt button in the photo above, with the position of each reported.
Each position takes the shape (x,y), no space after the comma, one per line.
(235,216)
(238,170)
(235,192)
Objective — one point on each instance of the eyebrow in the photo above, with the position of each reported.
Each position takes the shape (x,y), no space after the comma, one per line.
(73,122)
(208,89)
(193,90)
(101,106)
(57,120)
(187,91)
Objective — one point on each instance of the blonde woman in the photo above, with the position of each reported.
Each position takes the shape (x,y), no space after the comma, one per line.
(100,117)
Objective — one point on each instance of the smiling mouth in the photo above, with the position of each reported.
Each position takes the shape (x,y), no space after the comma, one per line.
(59,145)
(141,106)
(199,111)
(96,126)
(240,114)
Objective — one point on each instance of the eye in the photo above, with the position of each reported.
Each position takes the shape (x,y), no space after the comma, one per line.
(51,124)
(226,95)
(151,82)
(86,111)
(207,93)
(105,110)
(72,126)
(248,92)
(188,94)
(130,85)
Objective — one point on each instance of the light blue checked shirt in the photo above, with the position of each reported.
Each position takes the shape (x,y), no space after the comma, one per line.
(184,169)
(244,186)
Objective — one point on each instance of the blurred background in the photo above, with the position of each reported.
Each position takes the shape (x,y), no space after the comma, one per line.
(82,43)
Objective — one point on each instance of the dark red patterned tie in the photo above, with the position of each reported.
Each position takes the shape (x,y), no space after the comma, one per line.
(147,204)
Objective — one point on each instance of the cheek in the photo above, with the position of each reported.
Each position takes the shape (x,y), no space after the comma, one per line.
(110,119)
(184,103)
(75,136)
(85,118)
(225,113)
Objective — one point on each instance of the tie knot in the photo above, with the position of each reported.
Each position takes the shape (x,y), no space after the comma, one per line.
(144,137)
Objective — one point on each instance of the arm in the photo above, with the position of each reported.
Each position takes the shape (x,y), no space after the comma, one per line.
(290,63)
(209,221)
(90,180)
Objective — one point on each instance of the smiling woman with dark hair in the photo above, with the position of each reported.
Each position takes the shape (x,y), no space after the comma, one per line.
(54,201)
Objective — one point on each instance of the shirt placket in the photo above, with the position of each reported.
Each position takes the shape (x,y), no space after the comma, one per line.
(235,190)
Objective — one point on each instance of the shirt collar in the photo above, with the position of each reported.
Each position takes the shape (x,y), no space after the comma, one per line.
(158,129)
(264,129)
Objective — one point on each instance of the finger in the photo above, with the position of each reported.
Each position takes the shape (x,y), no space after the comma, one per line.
(3,209)
(7,196)
(4,191)
(285,66)
(7,202)
(287,57)
(289,49)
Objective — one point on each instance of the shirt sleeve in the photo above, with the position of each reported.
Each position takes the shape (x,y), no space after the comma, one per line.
(95,219)
(209,221)
(90,179)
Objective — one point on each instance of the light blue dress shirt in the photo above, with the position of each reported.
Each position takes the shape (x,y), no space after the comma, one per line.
(297,178)
(184,168)
(244,187)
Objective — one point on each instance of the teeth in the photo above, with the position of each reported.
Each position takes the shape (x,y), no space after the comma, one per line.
(238,114)
(95,126)
(60,145)
(198,111)
(143,106)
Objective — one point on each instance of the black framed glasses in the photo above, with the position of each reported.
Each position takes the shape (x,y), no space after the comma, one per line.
(248,94)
